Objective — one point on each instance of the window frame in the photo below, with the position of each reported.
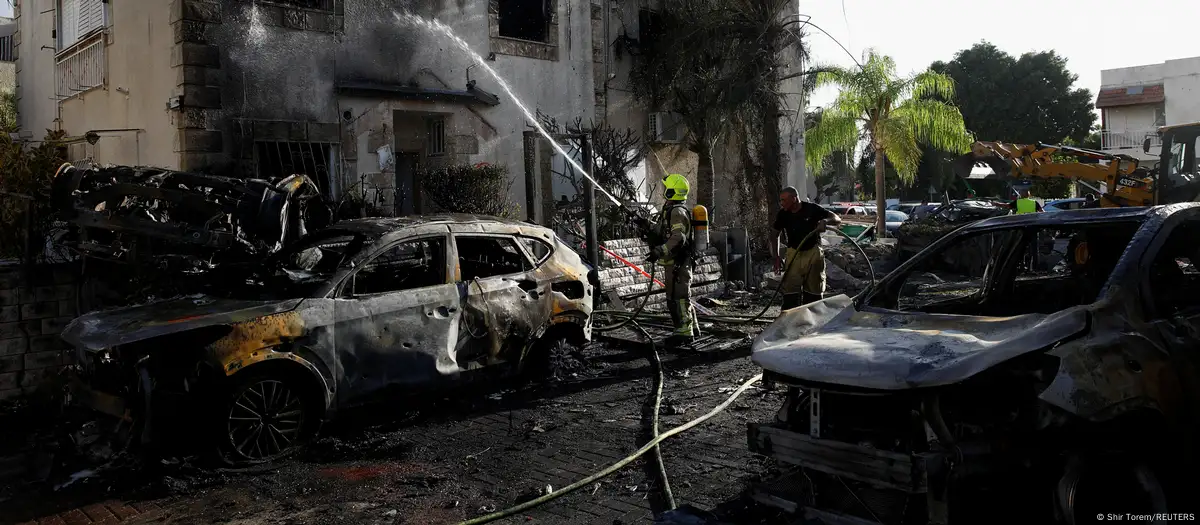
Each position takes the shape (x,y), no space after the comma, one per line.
(435,132)
(1145,264)
(546,30)
(61,47)
(512,237)
(537,263)
(345,288)
(896,279)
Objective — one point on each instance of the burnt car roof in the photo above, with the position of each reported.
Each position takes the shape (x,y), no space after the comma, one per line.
(1078,216)
(382,225)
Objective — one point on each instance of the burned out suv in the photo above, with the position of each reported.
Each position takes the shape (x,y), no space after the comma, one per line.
(1039,368)
(353,312)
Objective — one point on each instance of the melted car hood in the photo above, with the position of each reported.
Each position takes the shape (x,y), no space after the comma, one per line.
(100,330)
(831,342)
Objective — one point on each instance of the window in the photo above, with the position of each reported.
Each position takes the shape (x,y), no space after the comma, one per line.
(525,19)
(284,159)
(78,19)
(954,275)
(1160,115)
(437,137)
(483,257)
(538,249)
(405,266)
(1174,275)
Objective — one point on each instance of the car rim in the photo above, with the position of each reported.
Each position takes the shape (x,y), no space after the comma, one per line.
(265,420)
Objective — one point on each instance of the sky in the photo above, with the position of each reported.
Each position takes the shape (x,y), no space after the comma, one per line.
(1091,34)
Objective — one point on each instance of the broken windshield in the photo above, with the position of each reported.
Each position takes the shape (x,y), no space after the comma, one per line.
(1012,271)
(294,272)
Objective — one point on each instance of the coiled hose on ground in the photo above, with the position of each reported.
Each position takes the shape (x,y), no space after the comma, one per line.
(656,363)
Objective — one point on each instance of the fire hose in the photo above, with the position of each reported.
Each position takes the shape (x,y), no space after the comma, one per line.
(609,470)
(652,445)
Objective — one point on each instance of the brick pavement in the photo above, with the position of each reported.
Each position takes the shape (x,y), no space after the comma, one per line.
(454,467)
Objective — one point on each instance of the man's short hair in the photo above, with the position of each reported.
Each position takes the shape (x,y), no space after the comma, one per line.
(792,190)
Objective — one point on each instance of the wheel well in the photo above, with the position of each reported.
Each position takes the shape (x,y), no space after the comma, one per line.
(309,380)
(569,330)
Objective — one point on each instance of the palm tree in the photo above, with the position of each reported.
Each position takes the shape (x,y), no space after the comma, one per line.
(893,115)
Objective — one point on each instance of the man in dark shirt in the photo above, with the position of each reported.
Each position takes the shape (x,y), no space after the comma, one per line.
(804,269)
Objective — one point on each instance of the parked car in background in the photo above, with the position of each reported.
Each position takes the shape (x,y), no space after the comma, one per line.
(892,220)
(851,209)
(364,308)
(905,207)
(1064,204)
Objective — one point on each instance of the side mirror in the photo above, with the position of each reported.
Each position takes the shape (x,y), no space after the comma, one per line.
(1146,145)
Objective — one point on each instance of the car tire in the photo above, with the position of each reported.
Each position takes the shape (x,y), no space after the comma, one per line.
(264,417)
(552,358)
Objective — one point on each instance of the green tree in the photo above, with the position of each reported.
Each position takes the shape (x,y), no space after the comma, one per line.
(1021,100)
(723,79)
(893,114)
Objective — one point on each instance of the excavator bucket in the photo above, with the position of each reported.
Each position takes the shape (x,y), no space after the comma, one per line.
(981,164)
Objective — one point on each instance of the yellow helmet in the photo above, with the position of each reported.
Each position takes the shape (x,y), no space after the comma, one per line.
(675,187)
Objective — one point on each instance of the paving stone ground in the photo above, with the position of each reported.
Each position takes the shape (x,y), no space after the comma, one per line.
(470,456)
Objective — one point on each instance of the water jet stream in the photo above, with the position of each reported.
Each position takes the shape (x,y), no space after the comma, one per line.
(438,27)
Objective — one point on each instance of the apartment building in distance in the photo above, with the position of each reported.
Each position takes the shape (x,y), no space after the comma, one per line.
(1135,101)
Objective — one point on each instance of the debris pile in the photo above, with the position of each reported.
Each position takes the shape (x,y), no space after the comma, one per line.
(185,221)
(913,236)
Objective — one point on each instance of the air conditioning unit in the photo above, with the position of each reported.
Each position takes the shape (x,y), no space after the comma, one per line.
(666,127)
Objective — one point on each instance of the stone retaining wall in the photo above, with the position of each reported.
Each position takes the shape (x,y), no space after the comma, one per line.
(628,282)
(34,309)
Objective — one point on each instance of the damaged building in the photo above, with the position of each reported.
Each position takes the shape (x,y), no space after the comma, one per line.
(356,94)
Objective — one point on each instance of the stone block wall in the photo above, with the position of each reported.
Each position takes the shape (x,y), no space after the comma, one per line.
(629,283)
(34,309)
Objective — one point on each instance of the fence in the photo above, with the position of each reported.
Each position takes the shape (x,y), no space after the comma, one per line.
(81,68)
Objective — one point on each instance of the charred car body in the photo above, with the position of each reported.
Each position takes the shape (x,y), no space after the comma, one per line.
(1028,368)
(346,314)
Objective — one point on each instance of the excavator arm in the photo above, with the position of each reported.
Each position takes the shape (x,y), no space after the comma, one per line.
(1127,184)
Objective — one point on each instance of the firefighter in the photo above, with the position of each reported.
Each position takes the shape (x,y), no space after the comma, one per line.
(676,255)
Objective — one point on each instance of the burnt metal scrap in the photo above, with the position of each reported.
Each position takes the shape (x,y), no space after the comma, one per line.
(347,314)
(162,216)
(1032,377)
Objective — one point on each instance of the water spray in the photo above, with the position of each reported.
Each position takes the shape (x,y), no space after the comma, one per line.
(438,26)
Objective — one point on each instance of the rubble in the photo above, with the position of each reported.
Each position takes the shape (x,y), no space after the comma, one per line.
(181,220)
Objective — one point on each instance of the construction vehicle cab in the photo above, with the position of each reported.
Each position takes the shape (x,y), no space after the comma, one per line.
(1174,178)
(1176,170)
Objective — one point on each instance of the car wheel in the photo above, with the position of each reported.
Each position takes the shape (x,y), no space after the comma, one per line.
(554,358)
(265,417)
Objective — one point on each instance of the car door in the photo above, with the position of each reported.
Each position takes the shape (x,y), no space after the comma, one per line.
(503,303)
(397,317)
(1170,292)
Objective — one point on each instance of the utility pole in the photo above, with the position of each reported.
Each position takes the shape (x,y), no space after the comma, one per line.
(589,200)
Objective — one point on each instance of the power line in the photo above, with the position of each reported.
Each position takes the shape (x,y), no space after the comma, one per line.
(808,22)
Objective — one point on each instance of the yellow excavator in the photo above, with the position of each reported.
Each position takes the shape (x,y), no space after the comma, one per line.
(1174,178)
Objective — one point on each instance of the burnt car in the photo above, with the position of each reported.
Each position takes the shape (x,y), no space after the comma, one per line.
(350,314)
(1027,368)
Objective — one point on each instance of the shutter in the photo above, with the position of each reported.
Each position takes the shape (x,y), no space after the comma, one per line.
(91,16)
(68,23)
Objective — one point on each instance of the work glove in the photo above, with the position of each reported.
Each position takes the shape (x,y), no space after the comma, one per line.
(656,253)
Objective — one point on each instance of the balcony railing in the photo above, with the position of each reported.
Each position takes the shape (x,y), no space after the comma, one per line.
(1129,139)
(81,67)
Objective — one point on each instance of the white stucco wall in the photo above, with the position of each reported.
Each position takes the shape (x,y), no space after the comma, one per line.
(35,63)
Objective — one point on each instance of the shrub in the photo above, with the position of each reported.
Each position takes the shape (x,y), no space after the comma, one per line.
(481,189)
(26,172)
